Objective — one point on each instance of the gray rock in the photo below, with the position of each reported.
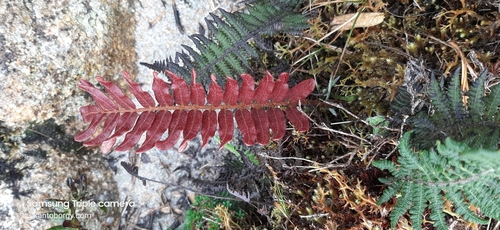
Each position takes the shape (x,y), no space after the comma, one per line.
(45,47)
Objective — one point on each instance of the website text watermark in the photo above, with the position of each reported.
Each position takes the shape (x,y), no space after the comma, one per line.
(80,204)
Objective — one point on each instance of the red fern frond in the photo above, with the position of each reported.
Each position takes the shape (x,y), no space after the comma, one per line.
(190,111)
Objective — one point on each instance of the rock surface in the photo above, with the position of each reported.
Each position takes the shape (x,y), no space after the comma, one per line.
(45,47)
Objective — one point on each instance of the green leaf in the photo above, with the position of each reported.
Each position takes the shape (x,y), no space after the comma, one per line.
(377,122)
(61,228)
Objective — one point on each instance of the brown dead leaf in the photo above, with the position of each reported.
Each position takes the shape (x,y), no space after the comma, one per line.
(346,21)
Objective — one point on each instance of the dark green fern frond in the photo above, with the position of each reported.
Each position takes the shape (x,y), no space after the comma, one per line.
(423,126)
(229,50)
(476,98)
(439,99)
(452,172)
(402,102)
(492,103)
(477,124)
(454,92)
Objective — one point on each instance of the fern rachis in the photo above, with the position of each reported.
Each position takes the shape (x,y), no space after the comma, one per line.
(190,111)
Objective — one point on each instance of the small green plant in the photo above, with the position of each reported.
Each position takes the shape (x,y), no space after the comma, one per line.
(234,149)
(203,215)
(377,123)
(453,172)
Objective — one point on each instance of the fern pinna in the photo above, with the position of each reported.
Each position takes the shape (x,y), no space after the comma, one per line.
(191,110)
(453,172)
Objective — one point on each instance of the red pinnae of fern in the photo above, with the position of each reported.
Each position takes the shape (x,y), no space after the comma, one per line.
(178,108)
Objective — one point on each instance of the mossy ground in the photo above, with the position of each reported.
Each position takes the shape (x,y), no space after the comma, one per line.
(325,177)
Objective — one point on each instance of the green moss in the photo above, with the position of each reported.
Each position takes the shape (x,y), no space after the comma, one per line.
(202,211)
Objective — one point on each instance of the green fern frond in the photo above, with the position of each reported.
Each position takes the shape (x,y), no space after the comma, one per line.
(418,207)
(401,207)
(439,99)
(426,130)
(476,98)
(402,103)
(229,50)
(492,103)
(389,192)
(477,124)
(454,93)
(452,172)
